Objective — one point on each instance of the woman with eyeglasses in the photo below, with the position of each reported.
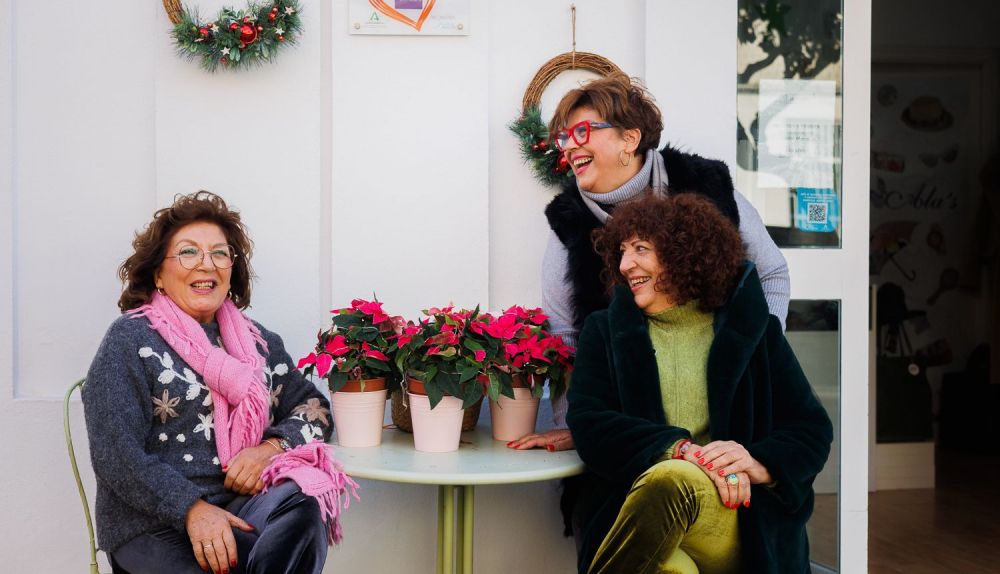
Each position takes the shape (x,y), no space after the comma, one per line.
(701,435)
(208,444)
(608,131)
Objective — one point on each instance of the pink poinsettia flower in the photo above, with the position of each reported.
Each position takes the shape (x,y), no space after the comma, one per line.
(373,353)
(479,355)
(505,327)
(337,346)
(323,364)
(309,359)
(433,351)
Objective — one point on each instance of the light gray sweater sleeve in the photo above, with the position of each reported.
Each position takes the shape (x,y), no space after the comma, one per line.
(557,304)
(771,265)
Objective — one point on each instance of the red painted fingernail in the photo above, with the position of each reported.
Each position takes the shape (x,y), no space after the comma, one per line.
(746,503)
(550,447)
(701,460)
(697,453)
(510,442)
(709,465)
(721,473)
(726,503)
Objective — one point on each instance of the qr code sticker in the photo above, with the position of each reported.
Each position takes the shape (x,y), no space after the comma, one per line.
(817,213)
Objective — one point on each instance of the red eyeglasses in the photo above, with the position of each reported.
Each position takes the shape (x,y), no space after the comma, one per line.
(580,133)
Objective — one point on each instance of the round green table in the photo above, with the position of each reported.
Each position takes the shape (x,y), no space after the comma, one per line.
(479,460)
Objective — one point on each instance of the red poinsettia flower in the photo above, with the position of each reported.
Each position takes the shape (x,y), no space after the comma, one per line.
(373,353)
(479,356)
(309,359)
(337,346)
(323,364)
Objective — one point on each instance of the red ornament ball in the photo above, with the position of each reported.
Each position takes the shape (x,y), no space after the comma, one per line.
(234,26)
(281,38)
(543,144)
(203,32)
(562,165)
(272,16)
(246,19)
(248,34)
(534,147)
(260,28)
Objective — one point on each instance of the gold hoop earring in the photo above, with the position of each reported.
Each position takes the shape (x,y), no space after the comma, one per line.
(161,291)
(624,162)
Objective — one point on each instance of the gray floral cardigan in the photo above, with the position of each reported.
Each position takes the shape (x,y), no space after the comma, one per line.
(149,421)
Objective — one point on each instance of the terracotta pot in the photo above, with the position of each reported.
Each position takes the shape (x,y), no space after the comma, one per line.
(514,418)
(354,385)
(438,429)
(401,413)
(358,415)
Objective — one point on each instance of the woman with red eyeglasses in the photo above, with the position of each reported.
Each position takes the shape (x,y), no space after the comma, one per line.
(608,130)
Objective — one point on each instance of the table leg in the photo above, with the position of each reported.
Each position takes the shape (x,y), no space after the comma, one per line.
(459,526)
(446,530)
(469,494)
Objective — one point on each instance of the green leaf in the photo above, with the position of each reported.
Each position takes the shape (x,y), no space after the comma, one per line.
(336,380)
(472,345)
(466,373)
(378,365)
(434,394)
(494,388)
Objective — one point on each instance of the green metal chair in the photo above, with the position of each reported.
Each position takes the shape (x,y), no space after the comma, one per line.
(76,474)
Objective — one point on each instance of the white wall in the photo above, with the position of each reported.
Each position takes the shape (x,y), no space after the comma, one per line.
(361,164)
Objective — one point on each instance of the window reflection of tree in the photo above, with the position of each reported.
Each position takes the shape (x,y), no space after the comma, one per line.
(807,37)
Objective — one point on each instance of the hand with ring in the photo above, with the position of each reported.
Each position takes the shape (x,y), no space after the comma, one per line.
(733,487)
(727,457)
(210,529)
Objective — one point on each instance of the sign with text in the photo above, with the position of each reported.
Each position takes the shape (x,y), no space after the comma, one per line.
(410,17)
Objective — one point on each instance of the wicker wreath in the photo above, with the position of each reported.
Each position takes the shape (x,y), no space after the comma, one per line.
(550,166)
(235,39)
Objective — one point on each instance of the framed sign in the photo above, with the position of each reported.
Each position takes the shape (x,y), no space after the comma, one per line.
(410,17)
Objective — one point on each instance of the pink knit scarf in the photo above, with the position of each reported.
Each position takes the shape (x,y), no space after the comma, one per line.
(241,402)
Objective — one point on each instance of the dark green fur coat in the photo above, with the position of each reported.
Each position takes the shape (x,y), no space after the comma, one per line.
(758,397)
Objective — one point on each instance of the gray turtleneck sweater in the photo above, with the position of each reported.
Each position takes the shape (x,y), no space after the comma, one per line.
(556,289)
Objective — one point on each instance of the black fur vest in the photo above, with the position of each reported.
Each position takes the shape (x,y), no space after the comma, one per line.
(573,223)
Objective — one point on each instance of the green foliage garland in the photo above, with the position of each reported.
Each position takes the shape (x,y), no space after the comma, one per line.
(549,166)
(238,39)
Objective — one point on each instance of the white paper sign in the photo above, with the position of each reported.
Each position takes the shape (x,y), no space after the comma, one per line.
(796,142)
(410,17)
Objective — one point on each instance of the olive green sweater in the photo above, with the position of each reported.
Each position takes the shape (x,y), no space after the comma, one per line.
(681,337)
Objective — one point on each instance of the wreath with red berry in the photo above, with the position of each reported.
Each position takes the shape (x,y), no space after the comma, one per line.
(235,39)
(548,165)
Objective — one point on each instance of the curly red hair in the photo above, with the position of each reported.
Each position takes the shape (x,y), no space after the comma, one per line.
(699,248)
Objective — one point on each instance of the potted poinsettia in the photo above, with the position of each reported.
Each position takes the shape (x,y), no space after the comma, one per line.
(447,360)
(532,356)
(355,357)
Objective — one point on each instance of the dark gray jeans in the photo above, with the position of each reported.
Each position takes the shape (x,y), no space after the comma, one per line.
(290,538)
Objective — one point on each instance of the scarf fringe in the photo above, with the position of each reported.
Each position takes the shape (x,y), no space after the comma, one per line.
(319,475)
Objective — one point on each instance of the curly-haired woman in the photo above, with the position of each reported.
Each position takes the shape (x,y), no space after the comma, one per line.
(608,130)
(700,432)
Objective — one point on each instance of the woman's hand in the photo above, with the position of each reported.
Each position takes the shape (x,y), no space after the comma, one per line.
(210,529)
(553,440)
(732,495)
(727,457)
(244,470)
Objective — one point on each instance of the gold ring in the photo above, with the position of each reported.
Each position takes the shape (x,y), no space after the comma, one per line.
(733,480)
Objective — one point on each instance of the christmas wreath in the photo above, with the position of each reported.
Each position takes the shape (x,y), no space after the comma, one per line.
(548,165)
(235,39)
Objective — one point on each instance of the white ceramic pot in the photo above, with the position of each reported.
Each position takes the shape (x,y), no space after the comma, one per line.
(514,418)
(358,417)
(438,429)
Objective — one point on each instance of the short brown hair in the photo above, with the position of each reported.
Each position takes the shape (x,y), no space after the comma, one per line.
(620,100)
(699,248)
(150,247)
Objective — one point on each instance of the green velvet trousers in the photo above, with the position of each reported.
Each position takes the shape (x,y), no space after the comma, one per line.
(673,522)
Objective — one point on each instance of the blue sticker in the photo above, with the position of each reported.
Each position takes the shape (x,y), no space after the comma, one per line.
(817,210)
